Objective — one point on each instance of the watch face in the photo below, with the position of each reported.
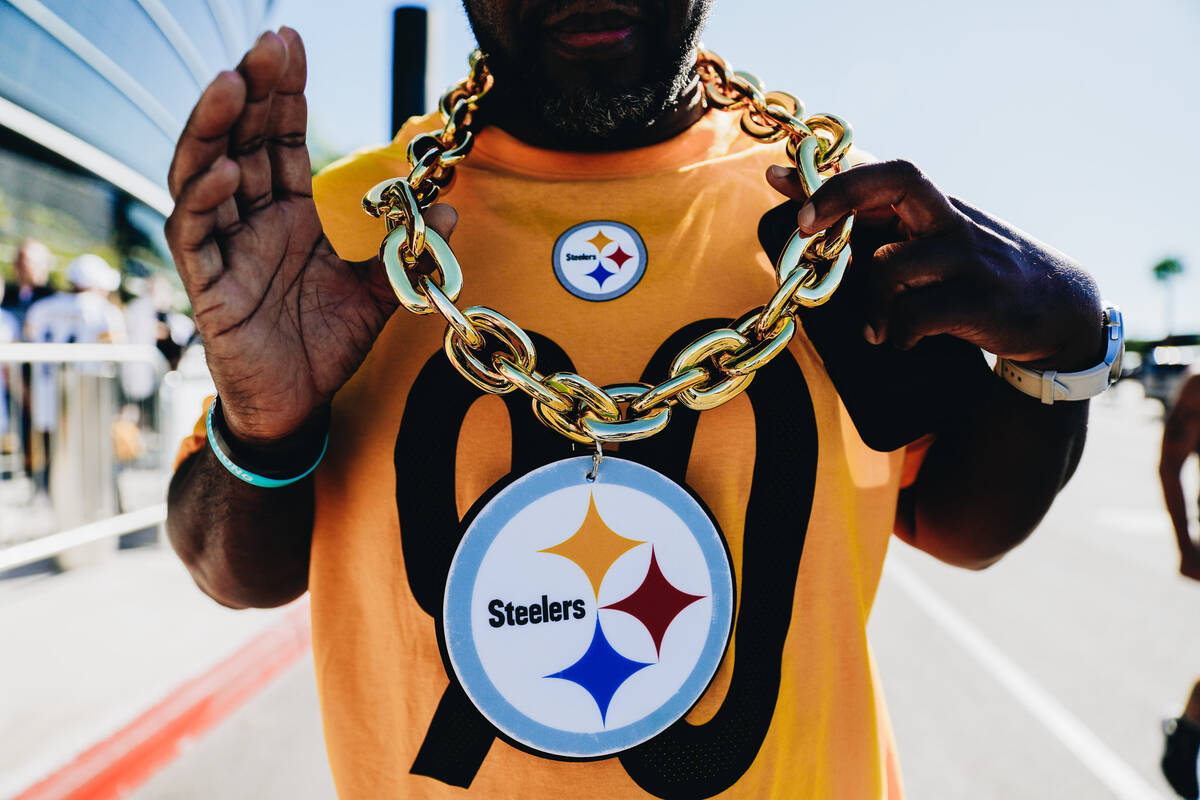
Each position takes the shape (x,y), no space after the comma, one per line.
(1116,325)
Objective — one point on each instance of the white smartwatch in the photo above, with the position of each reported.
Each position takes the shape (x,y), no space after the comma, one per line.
(1052,387)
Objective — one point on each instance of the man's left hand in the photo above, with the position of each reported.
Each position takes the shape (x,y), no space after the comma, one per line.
(948,268)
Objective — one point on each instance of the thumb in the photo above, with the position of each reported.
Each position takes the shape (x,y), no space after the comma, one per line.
(439,218)
(926,311)
(442,218)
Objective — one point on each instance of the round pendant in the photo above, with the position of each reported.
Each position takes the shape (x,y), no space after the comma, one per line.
(585,617)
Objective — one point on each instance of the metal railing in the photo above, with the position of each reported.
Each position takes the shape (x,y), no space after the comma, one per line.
(86,442)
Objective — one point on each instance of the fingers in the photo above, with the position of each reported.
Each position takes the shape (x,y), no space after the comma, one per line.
(442,218)
(195,219)
(438,217)
(895,185)
(205,137)
(261,69)
(928,311)
(913,288)
(290,167)
(901,267)
(785,181)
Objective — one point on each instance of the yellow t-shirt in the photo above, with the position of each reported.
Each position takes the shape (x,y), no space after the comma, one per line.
(806,507)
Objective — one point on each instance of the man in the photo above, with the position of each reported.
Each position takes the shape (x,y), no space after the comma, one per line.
(595,126)
(150,320)
(10,331)
(83,315)
(31,268)
(1181,440)
(10,326)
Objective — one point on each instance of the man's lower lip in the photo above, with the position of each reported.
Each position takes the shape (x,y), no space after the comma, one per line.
(589,42)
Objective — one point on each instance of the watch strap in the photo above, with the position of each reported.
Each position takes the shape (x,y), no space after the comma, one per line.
(1051,386)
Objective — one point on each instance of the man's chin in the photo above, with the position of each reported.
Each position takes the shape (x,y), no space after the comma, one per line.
(594,116)
(582,100)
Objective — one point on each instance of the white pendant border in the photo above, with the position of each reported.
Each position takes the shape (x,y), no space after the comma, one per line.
(456,611)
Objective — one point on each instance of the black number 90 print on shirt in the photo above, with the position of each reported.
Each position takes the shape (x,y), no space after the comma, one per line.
(684,761)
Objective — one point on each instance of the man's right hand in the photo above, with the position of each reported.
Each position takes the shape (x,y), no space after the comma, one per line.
(285,321)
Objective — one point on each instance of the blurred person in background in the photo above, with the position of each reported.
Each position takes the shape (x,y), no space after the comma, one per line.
(597,113)
(84,314)
(31,269)
(173,330)
(10,324)
(1181,441)
(31,273)
(10,331)
(150,318)
(138,379)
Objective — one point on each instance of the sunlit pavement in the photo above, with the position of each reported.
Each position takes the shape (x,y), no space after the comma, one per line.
(1044,676)
(1047,675)
(270,748)
(84,653)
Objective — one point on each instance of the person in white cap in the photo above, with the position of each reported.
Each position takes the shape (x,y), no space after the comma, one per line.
(83,315)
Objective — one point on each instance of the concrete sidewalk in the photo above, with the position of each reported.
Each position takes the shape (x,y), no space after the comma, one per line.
(269,749)
(87,653)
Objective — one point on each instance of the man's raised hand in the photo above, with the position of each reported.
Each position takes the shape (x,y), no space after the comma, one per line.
(284,320)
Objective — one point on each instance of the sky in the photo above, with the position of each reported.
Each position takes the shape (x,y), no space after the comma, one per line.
(1075,121)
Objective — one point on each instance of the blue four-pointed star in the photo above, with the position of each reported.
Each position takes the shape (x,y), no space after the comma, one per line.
(600,671)
(601,274)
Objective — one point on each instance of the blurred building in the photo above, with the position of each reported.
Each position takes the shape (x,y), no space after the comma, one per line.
(93,94)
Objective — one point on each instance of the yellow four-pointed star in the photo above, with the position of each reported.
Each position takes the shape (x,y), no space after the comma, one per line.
(601,241)
(594,547)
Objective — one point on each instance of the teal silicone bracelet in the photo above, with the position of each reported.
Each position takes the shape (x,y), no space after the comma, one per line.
(246,475)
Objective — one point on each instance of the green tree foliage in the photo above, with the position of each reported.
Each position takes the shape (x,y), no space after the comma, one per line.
(1167,269)
(1165,272)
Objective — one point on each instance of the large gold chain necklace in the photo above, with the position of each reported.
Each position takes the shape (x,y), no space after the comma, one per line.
(498,356)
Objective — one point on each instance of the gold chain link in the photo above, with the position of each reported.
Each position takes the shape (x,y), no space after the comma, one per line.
(496,355)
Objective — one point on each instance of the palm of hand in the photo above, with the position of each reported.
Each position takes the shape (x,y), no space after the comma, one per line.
(285,321)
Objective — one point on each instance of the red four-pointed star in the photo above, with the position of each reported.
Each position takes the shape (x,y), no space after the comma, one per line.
(618,257)
(656,603)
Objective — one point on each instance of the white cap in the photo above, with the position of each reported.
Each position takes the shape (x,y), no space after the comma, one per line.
(90,271)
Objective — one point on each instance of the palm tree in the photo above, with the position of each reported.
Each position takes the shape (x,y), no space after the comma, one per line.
(1165,272)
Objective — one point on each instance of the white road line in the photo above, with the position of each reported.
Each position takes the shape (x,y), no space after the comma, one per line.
(1134,522)
(1121,779)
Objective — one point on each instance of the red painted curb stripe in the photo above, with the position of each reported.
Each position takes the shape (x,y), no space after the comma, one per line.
(112,767)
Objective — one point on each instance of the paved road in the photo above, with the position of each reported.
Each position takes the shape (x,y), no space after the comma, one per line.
(270,749)
(1042,677)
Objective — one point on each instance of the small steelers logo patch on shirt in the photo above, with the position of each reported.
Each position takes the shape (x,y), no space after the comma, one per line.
(592,618)
(599,260)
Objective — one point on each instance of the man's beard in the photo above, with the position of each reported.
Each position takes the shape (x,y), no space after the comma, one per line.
(590,113)
(586,114)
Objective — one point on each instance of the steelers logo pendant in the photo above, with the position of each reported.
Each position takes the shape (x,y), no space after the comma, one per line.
(583,617)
